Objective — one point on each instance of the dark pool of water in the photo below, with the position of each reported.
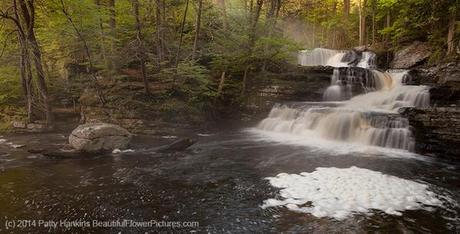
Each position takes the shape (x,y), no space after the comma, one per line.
(219,183)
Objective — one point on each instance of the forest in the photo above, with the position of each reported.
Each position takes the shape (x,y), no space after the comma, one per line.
(193,55)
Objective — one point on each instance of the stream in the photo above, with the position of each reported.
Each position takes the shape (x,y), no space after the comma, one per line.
(220,183)
(341,166)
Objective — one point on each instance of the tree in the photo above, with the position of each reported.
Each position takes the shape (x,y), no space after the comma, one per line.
(22,14)
(346,9)
(140,45)
(197,27)
(451,31)
(362,22)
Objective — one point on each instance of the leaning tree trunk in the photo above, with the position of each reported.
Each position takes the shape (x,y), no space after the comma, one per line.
(26,76)
(41,82)
(27,12)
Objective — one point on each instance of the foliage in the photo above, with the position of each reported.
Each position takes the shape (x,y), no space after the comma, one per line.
(87,40)
(10,86)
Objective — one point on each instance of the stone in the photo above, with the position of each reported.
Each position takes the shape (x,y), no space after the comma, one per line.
(99,137)
(436,130)
(179,145)
(444,80)
(411,56)
(19,124)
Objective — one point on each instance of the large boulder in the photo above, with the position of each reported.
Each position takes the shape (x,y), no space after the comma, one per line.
(408,57)
(97,137)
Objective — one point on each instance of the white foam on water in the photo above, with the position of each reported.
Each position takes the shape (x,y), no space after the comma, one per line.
(169,137)
(204,134)
(118,151)
(16,146)
(341,192)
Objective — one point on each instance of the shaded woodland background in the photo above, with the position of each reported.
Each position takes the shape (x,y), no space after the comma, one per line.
(180,57)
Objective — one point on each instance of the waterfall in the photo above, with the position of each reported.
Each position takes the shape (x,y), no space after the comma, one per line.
(367,112)
(336,58)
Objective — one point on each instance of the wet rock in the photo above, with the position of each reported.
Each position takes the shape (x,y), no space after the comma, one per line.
(352,57)
(410,56)
(19,124)
(36,127)
(65,152)
(97,137)
(22,126)
(179,145)
(444,80)
(437,130)
(300,83)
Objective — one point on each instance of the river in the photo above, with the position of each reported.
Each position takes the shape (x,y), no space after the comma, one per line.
(345,165)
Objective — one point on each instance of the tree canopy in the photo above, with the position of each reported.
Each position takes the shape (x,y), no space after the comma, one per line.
(202,51)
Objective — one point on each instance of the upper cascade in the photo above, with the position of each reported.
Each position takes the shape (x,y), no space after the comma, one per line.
(337,58)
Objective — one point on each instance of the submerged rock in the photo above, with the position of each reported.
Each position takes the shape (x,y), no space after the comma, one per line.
(97,137)
(178,145)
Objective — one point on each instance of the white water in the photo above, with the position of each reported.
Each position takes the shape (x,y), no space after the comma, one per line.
(337,193)
(370,118)
(321,57)
(333,58)
(359,115)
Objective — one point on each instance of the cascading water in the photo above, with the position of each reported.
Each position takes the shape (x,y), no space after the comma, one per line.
(367,112)
(336,58)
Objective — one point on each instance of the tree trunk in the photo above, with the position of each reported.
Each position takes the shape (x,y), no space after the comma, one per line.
(181,33)
(451,33)
(269,24)
(140,46)
(387,25)
(346,9)
(362,22)
(103,37)
(197,28)
(255,21)
(27,12)
(26,76)
(245,80)
(221,84)
(159,30)
(373,20)
(113,34)
(223,10)
(41,81)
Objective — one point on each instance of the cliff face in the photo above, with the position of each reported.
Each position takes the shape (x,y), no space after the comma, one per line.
(437,130)
(301,83)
